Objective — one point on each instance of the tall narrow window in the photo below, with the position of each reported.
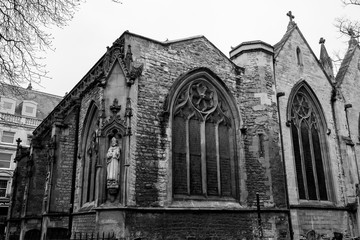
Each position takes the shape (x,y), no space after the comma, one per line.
(299,57)
(203,143)
(308,145)
(90,154)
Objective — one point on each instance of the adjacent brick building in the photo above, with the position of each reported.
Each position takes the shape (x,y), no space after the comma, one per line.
(21,111)
(174,140)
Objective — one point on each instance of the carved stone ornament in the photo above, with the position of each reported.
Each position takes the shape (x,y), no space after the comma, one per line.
(115,107)
(113,160)
(200,100)
(128,110)
(51,146)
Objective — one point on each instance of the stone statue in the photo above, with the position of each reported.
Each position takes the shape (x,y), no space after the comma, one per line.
(113,158)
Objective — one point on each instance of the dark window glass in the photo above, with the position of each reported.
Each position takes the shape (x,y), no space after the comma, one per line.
(201,143)
(308,150)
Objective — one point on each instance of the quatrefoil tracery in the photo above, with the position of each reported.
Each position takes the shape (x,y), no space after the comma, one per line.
(200,100)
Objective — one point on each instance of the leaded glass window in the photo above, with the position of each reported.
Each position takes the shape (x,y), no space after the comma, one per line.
(307,138)
(203,142)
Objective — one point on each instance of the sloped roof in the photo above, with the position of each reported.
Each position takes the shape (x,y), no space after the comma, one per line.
(279,46)
(346,63)
(45,102)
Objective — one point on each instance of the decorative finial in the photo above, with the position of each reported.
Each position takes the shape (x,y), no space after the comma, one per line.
(289,14)
(18,141)
(322,41)
(29,87)
(115,108)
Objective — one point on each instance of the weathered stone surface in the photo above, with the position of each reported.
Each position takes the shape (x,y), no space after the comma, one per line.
(145,205)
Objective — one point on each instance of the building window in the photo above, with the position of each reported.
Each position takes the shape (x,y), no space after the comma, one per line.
(309,146)
(90,151)
(5,159)
(203,139)
(3,186)
(7,105)
(299,57)
(7,137)
(29,109)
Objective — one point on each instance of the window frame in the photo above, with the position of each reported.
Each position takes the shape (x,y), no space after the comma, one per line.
(222,89)
(3,160)
(3,135)
(88,178)
(299,57)
(29,104)
(322,125)
(6,185)
(7,100)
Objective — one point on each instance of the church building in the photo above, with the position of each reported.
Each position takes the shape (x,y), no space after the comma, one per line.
(175,140)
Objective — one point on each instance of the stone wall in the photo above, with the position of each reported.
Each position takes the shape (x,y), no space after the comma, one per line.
(84,223)
(63,165)
(205,225)
(162,66)
(36,185)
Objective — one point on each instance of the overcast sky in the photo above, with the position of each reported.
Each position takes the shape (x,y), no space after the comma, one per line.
(226,23)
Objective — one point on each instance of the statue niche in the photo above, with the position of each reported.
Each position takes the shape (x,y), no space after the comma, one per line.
(113,160)
(112,144)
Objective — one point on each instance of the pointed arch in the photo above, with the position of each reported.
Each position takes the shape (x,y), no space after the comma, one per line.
(89,151)
(205,124)
(308,132)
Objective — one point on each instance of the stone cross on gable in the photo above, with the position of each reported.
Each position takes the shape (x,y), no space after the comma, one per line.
(322,40)
(289,14)
(18,141)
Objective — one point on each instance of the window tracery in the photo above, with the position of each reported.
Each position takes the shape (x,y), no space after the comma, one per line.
(203,142)
(308,146)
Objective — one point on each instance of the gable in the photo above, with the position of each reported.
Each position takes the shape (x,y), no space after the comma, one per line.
(286,50)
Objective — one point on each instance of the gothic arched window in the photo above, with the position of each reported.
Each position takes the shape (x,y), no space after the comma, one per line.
(89,154)
(203,142)
(309,146)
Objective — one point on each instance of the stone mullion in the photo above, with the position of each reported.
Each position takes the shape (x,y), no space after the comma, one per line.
(301,147)
(187,155)
(101,174)
(203,157)
(313,163)
(218,158)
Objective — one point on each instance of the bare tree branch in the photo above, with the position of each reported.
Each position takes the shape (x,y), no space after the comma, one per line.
(351,2)
(347,26)
(24,36)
